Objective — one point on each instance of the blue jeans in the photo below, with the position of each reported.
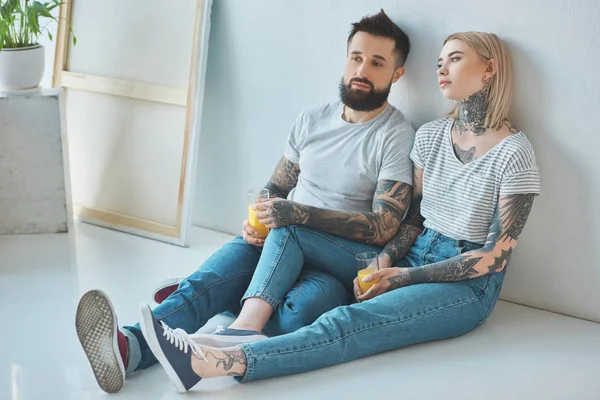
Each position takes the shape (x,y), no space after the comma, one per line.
(401,317)
(287,249)
(219,285)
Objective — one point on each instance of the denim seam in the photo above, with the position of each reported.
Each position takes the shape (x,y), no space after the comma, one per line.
(249,364)
(263,296)
(261,292)
(427,247)
(471,300)
(134,352)
(200,294)
(275,262)
(299,291)
(489,310)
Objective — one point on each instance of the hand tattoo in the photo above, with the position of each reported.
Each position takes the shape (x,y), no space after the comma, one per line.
(400,280)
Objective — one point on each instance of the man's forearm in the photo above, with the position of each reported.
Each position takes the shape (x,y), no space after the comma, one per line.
(369,228)
(377,227)
(411,228)
(399,246)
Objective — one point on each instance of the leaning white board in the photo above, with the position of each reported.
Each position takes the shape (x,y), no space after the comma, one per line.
(134,106)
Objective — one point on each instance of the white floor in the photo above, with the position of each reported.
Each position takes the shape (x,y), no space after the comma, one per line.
(519,353)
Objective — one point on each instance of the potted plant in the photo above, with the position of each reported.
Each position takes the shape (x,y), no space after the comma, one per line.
(22,22)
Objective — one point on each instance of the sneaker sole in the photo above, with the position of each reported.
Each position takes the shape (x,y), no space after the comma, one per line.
(145,322)
(96,324)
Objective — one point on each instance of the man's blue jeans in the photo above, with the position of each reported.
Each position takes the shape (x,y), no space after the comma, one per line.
(401,317)
(219,285)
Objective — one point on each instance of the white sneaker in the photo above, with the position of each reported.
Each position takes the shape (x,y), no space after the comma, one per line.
(222,337)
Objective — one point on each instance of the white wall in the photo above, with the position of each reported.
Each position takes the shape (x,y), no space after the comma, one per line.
(49,47)
(270,59)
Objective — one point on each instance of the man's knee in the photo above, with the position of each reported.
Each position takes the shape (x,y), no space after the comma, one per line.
(234,257)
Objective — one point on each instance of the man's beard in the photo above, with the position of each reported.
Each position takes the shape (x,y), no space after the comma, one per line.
(359,100)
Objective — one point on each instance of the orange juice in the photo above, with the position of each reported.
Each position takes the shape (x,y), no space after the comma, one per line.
(255,223)
(364,286)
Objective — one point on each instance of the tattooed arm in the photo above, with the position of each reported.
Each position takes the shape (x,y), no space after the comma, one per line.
(509,221)
(511,215)
(284,178)
(411,227)
(377,227)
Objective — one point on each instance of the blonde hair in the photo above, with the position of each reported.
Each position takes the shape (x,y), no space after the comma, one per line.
(489,46)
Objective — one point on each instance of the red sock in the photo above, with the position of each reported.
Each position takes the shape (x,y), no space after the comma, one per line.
(123,347)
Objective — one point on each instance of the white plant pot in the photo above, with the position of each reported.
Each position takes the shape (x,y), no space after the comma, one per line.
(21,68)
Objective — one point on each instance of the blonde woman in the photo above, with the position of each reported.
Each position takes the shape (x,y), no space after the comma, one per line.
(475,178)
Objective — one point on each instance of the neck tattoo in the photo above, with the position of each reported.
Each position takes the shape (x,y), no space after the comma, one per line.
(472,112)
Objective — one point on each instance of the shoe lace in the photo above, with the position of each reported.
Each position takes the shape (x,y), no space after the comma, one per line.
(180,339)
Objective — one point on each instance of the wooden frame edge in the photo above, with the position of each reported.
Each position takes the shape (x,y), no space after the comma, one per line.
(62,42)
(125,88)
(115,219)
(191,95)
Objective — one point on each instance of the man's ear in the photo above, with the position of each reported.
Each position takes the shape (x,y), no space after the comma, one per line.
(398,74)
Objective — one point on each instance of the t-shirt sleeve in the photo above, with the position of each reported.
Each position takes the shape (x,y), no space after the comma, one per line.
(295,140)
(416,154)
(396,164)
(522,177)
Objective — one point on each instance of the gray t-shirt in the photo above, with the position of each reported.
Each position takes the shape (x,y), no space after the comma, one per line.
(341,163)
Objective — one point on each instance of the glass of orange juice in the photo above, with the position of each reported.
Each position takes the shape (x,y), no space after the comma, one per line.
(254,196)
(368,262)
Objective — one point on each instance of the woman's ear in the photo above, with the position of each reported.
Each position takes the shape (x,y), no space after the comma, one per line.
(490,70)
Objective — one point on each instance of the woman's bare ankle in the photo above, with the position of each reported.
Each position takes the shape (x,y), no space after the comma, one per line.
(246,326)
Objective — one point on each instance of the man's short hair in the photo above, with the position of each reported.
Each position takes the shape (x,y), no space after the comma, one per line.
(381,25)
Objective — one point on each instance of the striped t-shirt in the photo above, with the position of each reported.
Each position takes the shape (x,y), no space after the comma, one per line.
(460,200)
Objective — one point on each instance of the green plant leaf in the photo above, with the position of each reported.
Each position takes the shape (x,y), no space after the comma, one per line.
(22,21)
(41,9)
(33,21)
(8,9)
